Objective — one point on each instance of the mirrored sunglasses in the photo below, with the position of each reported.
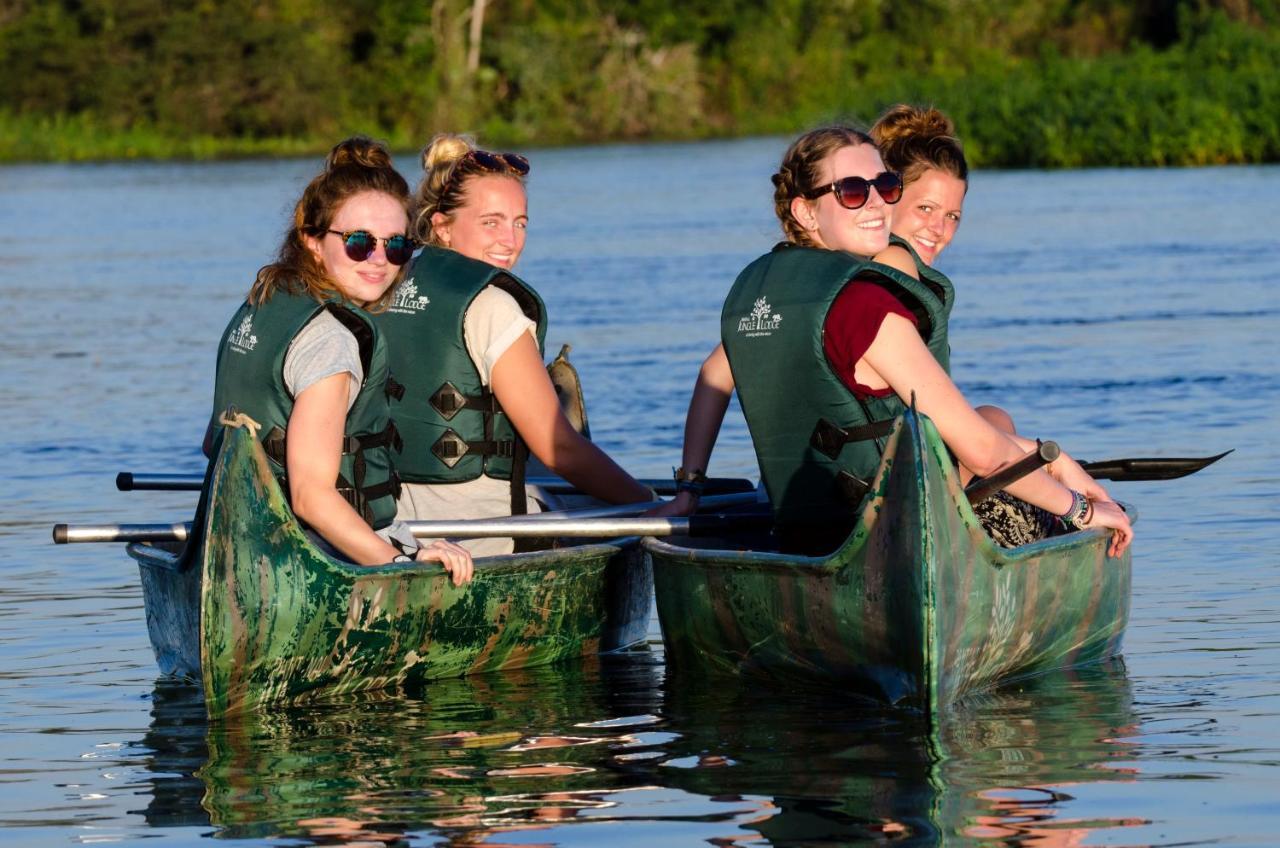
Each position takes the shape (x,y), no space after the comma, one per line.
(360,245)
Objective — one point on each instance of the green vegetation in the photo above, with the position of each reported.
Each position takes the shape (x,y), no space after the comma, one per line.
(1046,83)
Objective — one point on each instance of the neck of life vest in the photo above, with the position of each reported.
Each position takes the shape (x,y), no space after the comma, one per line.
(817,443)
(250,377)
(454,429)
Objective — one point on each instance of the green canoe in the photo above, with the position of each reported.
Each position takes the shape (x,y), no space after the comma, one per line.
(918,607)
(258,614)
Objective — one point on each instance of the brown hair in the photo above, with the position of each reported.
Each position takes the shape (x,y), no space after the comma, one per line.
(801,169)
(446,168)
(356,165)
(913,140)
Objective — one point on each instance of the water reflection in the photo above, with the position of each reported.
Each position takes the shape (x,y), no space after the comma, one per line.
(999,769)
(519,757)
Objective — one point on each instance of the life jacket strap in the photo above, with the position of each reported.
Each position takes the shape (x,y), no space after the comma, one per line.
(354,492)
(830,438)
(450,448)
(449,401)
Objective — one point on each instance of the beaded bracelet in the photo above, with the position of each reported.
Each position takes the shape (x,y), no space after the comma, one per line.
(1081,508)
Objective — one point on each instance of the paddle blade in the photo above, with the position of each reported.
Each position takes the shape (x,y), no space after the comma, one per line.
(1154,468)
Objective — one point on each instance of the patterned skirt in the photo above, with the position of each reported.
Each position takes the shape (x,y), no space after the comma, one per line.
(1011,522)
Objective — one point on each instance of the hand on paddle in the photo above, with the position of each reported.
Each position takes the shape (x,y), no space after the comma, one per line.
(455,559)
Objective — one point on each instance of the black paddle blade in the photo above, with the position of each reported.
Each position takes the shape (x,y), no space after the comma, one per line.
(1155,468)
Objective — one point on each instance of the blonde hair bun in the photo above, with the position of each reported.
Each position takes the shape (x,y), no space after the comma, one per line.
(445,149)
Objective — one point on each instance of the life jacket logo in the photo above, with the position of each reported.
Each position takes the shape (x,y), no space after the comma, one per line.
(761,322)
(243,340)
(407,301)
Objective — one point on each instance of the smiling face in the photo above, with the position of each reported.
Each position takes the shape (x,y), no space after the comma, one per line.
(929,212)
(375,212)
(863,231)
(491,224)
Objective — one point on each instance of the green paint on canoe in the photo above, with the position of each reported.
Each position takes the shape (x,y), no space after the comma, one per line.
(280,620)
(918,607)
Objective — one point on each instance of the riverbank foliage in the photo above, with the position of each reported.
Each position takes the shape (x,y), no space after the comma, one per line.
(1031,83)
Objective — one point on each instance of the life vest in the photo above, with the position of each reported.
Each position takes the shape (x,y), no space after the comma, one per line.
(817,443)
(453,427)
(945,291)
(250,377)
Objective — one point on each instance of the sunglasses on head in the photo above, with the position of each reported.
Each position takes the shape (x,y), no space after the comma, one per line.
(496,161)
(360,245)
(854,192)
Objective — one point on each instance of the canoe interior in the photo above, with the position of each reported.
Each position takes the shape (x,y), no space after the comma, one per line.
(918,607)
(258,614)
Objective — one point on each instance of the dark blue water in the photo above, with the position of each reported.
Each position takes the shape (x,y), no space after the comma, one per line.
(1120,312)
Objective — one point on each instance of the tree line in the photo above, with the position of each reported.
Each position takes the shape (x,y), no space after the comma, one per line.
(1044,83)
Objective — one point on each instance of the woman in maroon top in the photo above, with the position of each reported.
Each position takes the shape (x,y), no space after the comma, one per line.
(872,341)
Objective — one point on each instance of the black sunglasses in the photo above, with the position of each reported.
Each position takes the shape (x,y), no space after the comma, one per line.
(854,192)
(497,161)
(360,245)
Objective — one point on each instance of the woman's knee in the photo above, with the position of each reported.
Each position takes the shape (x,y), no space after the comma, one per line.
(998,418)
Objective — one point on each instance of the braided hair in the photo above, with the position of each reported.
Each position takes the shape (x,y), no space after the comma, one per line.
(801,169)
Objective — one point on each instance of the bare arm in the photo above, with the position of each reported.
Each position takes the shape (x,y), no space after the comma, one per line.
(524,390)
(313,453)
(702,423)
(900,359)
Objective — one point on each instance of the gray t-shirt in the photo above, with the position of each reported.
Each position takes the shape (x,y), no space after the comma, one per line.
(322,348)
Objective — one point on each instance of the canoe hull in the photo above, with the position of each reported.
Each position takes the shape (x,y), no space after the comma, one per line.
(273,618)
(917,607)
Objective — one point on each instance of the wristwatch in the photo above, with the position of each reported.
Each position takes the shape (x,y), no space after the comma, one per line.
(693,481)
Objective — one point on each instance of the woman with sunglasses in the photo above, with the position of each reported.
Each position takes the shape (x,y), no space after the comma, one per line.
(303,358)
(817,337)
(465,336)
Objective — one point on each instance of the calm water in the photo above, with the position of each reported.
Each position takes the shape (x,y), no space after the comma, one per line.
(1120,312)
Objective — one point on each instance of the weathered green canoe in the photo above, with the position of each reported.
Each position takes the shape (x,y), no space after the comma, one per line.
(258,614)
(918,607)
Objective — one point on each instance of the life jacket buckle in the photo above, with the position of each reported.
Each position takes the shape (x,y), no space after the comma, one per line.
(450,448)
(448,401)
(828,439)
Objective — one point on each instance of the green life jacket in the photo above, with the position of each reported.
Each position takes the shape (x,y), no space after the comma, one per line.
(454,429)
(250,377)
(817,443)
(942,287)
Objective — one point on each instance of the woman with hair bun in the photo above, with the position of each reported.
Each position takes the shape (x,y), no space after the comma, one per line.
(921,145)
(466,335)
(303,357)
(833,330)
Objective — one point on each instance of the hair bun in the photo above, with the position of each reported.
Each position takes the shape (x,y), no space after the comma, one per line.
(445,149)
(907,121)
(361,151)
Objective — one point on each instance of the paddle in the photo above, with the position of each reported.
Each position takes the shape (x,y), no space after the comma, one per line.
(984,487)
(593,528)
(599,522)
(130,482)
(1153,468)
